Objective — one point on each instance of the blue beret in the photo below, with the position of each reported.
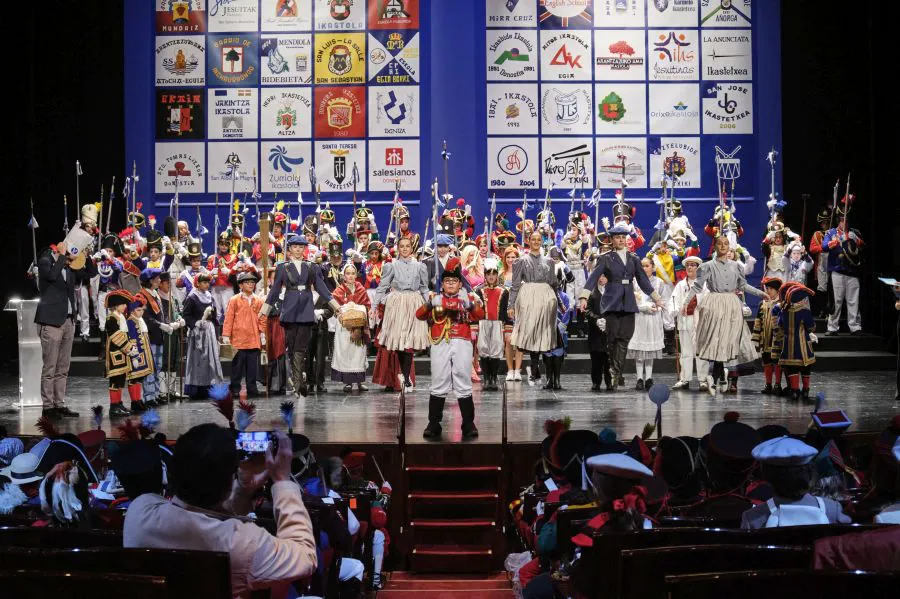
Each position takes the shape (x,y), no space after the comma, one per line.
(619,230)
(296,240)
(784,451)
(444,239)
(149,273)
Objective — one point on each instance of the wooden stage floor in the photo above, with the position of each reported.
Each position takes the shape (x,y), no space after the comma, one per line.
(372,417)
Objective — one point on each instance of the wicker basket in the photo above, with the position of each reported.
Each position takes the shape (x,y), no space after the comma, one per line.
(355,319)
(226,351)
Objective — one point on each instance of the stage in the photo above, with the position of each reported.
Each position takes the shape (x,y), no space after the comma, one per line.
(372,417)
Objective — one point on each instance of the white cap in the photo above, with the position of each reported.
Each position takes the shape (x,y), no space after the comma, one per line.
(618,464)
(784,451)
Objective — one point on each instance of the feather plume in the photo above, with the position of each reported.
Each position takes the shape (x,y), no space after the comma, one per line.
(223,402)
(648,431)
(556,427)
(149,420)
(130,431)
(279,205)
(245,415)
(138,206)
(287,415)
(97,412)
(820,401)
(47,428)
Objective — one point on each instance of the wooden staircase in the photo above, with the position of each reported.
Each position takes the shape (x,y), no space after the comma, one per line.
(454,519)
(407,585)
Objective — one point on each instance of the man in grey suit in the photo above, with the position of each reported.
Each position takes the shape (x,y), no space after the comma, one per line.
(55,317)
(618,304)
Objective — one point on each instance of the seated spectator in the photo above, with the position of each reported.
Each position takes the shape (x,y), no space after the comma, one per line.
(64,496)
(787,464)
(338,533)
(139,468)
(11,496)
(10,447)
(23,472)
(890,514)
(211,493)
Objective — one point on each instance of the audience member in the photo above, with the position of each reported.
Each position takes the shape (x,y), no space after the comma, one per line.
(787,464)
(211,495)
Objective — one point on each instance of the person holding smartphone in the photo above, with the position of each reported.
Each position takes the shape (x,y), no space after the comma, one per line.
(213,493)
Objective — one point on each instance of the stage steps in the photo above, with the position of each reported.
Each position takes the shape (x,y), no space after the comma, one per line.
(454,508)
(405,585)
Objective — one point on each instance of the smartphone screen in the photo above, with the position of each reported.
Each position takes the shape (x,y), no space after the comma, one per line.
(254,442)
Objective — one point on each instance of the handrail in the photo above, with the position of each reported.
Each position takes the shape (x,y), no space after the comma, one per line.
(503,432)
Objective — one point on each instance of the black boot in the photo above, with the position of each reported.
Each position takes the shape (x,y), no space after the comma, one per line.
(535,366)
(493,365)
(435,414)
(548,370)
(804,395)
(767,390)
(557,370)
(298,372)
(467,411)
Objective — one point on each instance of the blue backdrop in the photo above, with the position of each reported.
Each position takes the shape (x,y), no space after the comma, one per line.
(453,98)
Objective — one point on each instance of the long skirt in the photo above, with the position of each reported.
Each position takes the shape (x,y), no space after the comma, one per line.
(535,328)
(401,330)
(722,334)
(348,363)
(203,365)
(387,367)
(647,341)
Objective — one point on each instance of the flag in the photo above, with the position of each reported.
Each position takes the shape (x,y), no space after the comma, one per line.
(33,224)
(78,168)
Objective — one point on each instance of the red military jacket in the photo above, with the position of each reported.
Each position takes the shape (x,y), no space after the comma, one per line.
(450,320)
(496,302)
(222,265)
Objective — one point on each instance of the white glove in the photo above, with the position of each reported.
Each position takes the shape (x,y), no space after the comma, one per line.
(181,323)
(207,314)
(166,241)
(813,338)
(853,236)
(464,298)
(262,338)
(34,271)
(746,311)
(601,323)
(255,237)
(97,257)
(437,301)
(319,313)
(166,327)
(226,340)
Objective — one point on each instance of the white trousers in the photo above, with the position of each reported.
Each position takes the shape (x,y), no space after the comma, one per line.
(451,368)
(102,312)
(378,551)
(95,295)
(220,297)
(846,289)
(688,353)
(350,568)
(573,289)
(82,298)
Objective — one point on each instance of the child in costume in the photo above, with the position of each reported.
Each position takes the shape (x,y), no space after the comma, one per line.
(647,342)
(141,356)
(203,368)
(686,318)
(553,359)
(119,348)
(449,315)
(246,332)
(490,345)
(349,361)
(764,334)
(795,351)
(597,338)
